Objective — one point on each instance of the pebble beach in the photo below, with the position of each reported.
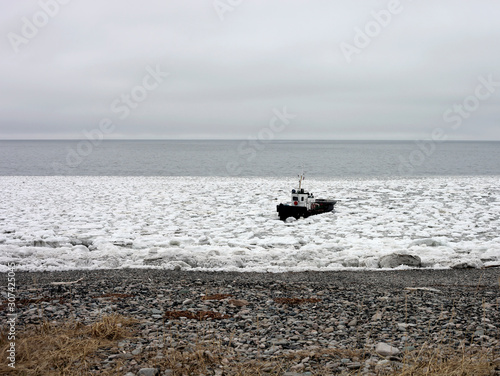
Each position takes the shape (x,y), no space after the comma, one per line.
(379,315)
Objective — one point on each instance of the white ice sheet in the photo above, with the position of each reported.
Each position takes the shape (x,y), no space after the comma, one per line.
(212,223)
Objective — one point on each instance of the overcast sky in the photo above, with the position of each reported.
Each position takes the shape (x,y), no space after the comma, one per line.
(345,69)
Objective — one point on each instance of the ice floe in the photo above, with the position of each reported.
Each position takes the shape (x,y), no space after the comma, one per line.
(220,223)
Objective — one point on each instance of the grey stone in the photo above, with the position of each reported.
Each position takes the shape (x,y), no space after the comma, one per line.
(279,342)
(467,265)
(155,260)
(396,259)
(148,372)
(354,365)
(51,309)
(377,316)
(297,367)
(351,262)
(123,343)
(385,349)
(402,327)
(137,351)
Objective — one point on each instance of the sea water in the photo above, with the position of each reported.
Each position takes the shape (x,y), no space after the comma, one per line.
(249,158)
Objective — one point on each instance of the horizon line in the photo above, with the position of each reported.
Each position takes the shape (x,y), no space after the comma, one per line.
(242,139)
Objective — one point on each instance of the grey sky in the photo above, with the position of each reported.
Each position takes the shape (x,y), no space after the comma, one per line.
(229,69)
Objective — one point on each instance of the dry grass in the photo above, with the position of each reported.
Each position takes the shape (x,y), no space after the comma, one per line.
(66,349)
(216,297)
(296,301)
(448,362)
(113,296)
(76,349)
(204,360)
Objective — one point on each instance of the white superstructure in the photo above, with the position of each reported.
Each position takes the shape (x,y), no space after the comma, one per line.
(301,197)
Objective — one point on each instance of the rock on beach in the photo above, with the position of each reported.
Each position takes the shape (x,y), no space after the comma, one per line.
(397,259)
(269,316)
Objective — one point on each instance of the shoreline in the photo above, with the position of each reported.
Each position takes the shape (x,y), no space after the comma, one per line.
(453,277)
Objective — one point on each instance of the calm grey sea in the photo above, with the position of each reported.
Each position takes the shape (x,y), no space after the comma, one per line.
(249,158)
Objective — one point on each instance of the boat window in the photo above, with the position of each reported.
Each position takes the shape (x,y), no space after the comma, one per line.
(302,199)
(295,198)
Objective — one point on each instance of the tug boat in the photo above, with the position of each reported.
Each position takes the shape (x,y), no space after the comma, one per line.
(304,204)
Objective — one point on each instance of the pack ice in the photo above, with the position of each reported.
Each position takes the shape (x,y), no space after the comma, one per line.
(231,224)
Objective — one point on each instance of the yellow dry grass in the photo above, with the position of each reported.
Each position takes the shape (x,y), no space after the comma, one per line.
(73,348)
(430,362)
(66,349)
(448,362)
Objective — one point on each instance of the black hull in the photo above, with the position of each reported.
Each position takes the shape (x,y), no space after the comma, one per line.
(322,206)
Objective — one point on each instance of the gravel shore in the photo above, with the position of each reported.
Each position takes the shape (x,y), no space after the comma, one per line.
(264,315)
